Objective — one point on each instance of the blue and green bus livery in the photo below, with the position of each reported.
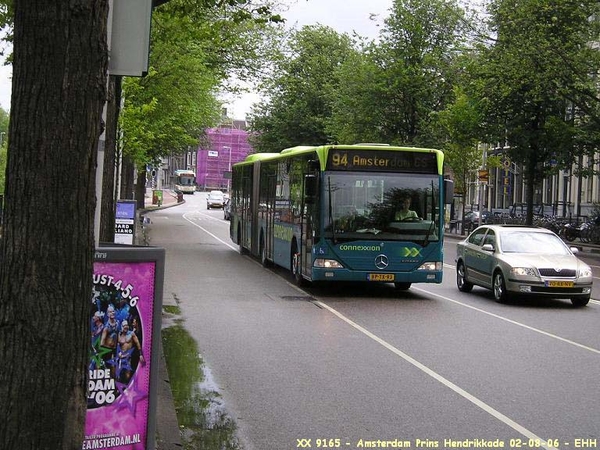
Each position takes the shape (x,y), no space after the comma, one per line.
(328,213)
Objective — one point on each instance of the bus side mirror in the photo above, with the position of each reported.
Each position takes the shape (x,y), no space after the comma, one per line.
(314,165)
(310,189)
(448,191)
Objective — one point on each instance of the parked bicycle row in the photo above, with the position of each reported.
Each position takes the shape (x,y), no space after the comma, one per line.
(586,229)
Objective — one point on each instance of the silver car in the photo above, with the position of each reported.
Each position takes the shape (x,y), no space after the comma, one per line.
(518,260)
(215,199)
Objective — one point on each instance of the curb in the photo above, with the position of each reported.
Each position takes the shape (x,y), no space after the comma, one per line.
(167,433)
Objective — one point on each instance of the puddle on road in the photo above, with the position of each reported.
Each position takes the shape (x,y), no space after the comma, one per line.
(201,415)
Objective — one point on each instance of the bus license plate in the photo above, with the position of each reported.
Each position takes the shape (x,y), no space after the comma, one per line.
(559,284)
(380,277)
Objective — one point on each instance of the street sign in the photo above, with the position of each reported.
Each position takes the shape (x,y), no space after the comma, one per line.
(125,222)
(484,175)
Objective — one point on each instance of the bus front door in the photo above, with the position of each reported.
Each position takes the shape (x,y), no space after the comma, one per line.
(309,222)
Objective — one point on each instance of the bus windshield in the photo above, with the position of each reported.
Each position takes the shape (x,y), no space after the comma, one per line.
(186,179)
(379,206)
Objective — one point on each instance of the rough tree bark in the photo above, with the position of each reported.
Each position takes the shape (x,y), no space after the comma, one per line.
(107,220)
(47,246)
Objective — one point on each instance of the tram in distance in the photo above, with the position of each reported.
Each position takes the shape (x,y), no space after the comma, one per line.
(363,212)
(185,181)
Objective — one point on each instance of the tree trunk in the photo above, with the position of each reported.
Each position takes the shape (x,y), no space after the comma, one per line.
(47,246)
(107,221)
(127,178)
(530,187)
(140,189)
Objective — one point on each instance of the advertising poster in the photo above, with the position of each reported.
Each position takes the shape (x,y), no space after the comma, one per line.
(123,313)
(125,222)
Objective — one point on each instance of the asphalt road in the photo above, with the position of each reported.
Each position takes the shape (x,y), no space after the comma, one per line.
(367,367)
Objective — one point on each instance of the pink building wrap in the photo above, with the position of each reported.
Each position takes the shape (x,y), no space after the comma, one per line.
(227,145)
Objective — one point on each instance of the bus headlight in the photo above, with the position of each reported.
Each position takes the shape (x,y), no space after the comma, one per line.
(327,264)
(431,266)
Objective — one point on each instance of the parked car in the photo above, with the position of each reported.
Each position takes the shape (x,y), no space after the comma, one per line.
(215,199)
(227,209)
(471,219)
(518,261)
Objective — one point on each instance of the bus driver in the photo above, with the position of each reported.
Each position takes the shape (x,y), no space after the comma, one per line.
(405,212)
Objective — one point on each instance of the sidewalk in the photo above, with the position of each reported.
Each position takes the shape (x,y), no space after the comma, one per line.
(168,436)
(169,198)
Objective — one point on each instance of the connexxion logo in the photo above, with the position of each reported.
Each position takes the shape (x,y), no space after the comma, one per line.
(360,248)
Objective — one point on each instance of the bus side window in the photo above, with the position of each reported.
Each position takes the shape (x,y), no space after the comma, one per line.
(310,188)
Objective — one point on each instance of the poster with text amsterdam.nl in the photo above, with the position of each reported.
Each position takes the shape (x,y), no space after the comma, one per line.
(120,393)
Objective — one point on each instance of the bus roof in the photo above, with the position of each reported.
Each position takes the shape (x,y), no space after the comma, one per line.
(260,156)
(323,150)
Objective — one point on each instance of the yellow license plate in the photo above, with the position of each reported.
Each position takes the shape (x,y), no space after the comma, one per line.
(559,284)
(380,277)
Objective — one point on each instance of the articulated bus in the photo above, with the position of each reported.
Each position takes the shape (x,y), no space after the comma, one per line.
(328,213)
(185,181)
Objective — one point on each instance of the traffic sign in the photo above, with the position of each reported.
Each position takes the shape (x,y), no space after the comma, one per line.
(484,175)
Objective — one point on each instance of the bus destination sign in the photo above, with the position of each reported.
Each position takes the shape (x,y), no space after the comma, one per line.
(382,160)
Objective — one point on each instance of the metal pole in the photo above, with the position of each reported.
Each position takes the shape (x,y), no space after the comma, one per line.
(228,166)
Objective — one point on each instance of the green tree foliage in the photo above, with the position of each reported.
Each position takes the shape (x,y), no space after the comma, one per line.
(536,81)
(196,45)
(460,122)
(389,92)
(300,90)
(358,108)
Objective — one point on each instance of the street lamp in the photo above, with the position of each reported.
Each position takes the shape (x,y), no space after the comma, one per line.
(226,147)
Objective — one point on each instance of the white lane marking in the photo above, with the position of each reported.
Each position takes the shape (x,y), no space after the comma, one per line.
(537,330)
(479,403)
(208,232)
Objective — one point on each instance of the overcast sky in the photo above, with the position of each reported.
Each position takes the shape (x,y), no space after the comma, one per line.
(342,15)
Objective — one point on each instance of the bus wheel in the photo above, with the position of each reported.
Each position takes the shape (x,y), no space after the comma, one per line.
(296,269)
(402,286)
(243,251)
(263,252)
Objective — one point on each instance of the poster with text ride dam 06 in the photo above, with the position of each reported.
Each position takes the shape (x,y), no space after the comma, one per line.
(124,314)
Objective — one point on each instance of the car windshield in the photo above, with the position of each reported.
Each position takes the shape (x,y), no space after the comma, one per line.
(533,242)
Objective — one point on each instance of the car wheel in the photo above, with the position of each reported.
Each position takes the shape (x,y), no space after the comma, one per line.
(402,286)
(580,301)
(461,281)
(499,288)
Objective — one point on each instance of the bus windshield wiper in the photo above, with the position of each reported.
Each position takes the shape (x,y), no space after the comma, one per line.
(369,230)
(432,226)
(429,230)
(331,212)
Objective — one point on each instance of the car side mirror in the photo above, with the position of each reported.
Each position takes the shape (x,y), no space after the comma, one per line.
(488,248)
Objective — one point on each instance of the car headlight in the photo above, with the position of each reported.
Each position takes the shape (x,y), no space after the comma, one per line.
(327,263)
(523,272)
(585,272)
